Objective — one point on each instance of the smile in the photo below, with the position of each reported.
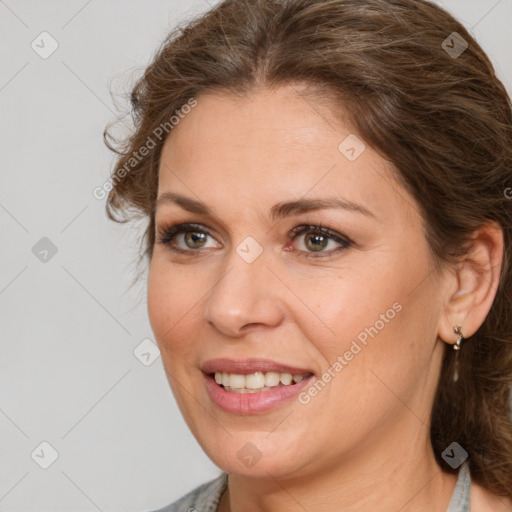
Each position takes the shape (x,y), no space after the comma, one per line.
(253,386)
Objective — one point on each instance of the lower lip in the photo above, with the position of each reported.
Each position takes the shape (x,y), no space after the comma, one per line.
(252,403)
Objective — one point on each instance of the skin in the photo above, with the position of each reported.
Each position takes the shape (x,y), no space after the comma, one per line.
(362,443)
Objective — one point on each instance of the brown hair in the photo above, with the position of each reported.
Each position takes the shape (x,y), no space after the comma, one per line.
(442,119)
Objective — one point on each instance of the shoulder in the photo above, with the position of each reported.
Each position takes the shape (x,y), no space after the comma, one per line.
(482,500)
(203,498)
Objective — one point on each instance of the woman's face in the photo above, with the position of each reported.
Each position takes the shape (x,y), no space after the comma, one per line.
(355,311)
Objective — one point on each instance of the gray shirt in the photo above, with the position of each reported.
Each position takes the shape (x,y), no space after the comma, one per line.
(206,497)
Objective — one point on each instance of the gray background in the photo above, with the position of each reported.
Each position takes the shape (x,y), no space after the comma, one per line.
(70,322)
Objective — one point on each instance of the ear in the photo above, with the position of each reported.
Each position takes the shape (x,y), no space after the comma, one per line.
(472,284)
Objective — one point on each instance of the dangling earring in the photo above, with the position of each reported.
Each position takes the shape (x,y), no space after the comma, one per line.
(456,347)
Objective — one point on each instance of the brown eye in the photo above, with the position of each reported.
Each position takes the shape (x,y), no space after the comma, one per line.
(194,240)
(315,241)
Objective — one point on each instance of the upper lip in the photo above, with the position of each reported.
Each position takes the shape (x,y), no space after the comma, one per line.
(246,366)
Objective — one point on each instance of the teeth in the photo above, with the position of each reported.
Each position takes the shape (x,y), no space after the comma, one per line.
(253,382)
(285,378)
(236,381)
(271,379)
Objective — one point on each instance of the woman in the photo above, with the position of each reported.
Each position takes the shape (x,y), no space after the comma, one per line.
(327,188)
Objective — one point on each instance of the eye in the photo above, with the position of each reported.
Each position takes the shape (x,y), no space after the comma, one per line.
(317,238)
(193,236)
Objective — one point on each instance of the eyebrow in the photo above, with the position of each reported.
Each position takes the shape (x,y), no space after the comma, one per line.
(278,211)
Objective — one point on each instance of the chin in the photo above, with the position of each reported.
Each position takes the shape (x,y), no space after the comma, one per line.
(255,455)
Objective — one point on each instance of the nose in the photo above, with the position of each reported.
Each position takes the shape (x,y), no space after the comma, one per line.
(246,296)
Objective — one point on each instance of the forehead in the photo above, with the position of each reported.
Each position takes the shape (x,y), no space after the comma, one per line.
(282,119)
(270,146)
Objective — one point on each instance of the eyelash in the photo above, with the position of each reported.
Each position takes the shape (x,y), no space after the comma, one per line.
(167,234)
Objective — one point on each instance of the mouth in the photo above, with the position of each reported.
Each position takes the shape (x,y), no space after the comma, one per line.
(251,386)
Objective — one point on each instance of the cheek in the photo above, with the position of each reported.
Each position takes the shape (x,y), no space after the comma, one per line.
(384,324)
(342,302)
(170,303)
(159,301)
(375,317)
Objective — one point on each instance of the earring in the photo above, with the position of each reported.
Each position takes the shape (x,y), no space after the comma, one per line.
(456,347)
